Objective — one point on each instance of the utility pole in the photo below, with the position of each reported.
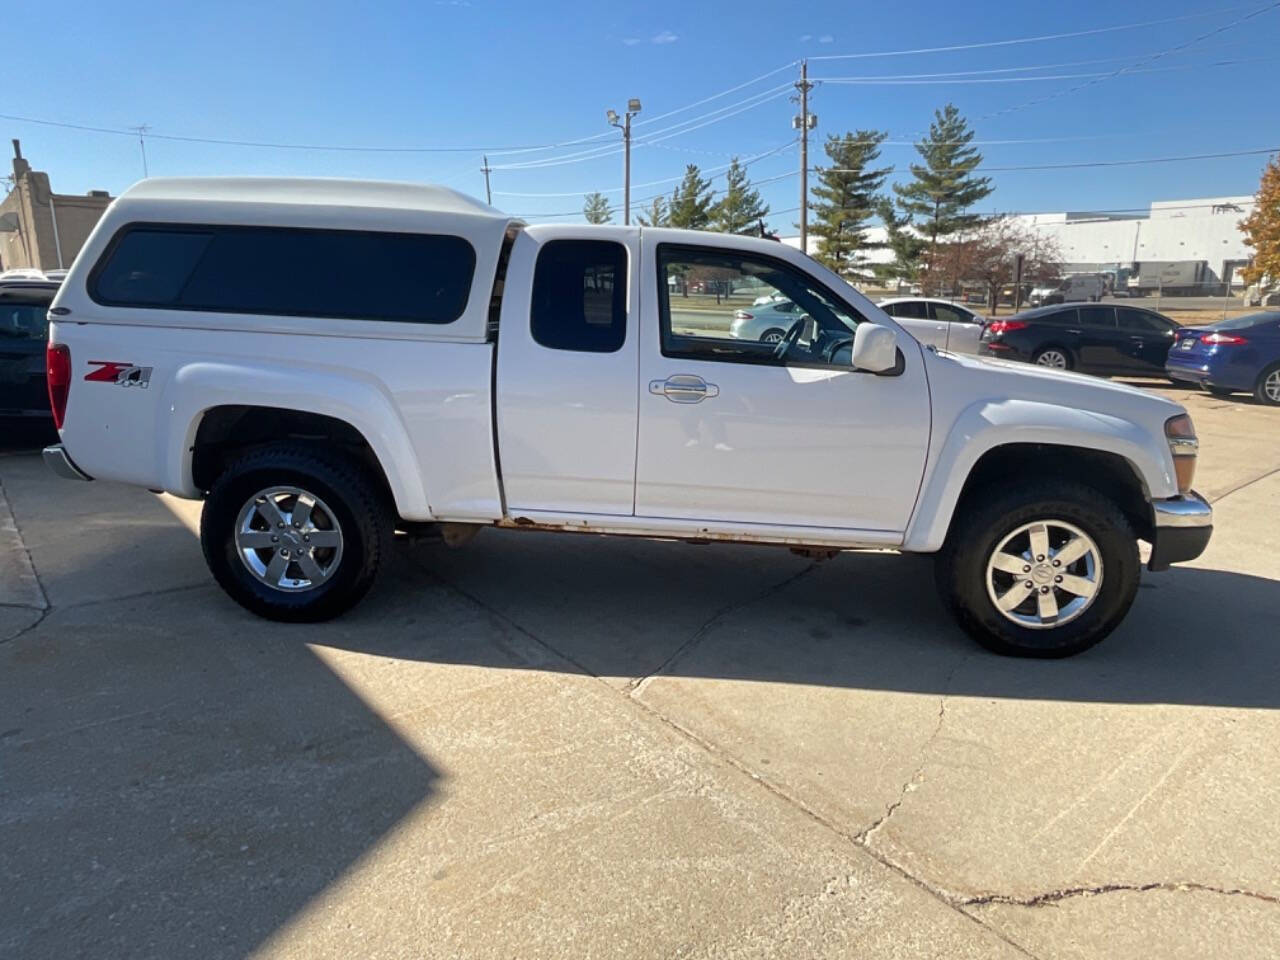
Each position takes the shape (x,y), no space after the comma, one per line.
(633,107)
(804,123)
(142,145)
(486,170)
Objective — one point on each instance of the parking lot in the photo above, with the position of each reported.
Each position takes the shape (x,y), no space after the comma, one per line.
(542,746)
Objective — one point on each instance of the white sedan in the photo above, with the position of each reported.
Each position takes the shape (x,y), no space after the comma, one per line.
(939,323)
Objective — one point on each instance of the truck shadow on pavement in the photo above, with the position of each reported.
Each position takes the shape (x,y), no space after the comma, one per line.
(631,609)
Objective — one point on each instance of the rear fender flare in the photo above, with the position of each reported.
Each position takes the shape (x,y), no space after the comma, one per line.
(360,402)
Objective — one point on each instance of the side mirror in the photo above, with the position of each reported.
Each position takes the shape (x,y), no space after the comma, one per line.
(875,348)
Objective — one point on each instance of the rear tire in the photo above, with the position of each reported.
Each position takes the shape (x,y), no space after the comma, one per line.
(772,335)
(1267,389)
(1057,358)
(984,544)
(295,534)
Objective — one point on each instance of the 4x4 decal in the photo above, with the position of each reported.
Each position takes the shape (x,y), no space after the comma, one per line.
(121,374)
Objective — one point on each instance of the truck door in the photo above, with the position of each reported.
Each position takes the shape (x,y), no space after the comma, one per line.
(566,372)
(789,434)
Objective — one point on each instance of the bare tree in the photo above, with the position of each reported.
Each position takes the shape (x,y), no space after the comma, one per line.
(988,256)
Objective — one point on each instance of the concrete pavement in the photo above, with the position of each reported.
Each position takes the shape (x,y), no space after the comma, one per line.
(554,746)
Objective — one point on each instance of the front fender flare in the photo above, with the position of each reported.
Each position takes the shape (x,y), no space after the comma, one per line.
(988,424)
(360,402)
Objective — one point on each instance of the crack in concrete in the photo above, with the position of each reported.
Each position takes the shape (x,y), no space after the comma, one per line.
(9,520)
(864,836)
(635,686)
(1057,896)
(1241,486)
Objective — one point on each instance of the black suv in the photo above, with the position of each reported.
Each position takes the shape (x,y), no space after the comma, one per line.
(1094,338)
(24,328)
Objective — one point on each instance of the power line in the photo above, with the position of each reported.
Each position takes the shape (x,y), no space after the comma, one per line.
(711,171)
(1094,163)
(956,79)
(1022,40)
(1136,64)
(657,136)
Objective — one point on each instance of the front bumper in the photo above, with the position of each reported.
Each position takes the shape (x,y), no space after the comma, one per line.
(1183,526)
(59,461)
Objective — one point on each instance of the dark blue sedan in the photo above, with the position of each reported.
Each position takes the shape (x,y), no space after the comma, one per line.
(1240,355)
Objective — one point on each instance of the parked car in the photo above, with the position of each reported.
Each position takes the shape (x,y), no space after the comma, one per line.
(22,275)
(1240,355)
(767,321)
(564,398)
(1094,338)
(24,308)
(937,323)
(1078,287)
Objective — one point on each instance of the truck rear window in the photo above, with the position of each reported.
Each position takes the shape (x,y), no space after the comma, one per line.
(346,274)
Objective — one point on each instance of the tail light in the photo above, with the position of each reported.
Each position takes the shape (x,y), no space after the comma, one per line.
(1223,339)
(57,368)
(997,327)
(743,315)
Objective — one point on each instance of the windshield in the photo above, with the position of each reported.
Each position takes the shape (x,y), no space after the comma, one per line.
(23,321)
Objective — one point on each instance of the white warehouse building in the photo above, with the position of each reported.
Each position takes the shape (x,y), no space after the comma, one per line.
(1174,231)
(1199,231)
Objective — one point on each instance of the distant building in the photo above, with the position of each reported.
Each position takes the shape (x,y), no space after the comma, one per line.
(1173,231)
(39,228)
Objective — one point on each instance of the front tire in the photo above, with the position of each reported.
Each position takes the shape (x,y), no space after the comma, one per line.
(295,534)
(1046,572)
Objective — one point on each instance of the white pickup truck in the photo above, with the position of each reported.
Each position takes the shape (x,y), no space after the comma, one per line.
(324,362)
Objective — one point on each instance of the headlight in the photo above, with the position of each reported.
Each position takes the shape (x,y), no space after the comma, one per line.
(1181,434)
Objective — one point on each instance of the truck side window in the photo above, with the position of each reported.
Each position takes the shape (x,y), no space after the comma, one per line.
(580,296)
(733,306)
(286,271)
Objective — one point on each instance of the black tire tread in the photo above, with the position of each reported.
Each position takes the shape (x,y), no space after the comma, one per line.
(354,491)
(960,567)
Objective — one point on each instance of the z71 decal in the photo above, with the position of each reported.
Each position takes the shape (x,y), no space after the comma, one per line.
(121,374)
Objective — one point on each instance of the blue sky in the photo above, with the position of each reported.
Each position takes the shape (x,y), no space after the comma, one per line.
(477,73)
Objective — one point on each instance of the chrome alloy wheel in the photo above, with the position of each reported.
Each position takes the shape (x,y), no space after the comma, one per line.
(1052,358)
(289,539)
(1271,386)
(1044,574)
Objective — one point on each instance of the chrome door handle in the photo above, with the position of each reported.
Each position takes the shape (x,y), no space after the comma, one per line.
(684,388)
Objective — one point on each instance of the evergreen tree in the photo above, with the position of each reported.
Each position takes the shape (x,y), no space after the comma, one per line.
(596,209)
(691,202)
(656,215)
(903,241)
(944,188)
(740,210)
(846,196)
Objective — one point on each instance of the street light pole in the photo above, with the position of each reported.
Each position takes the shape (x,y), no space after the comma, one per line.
(633,107)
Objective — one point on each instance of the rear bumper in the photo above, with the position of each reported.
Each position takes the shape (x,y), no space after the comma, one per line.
(59,461)
(1183,526)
